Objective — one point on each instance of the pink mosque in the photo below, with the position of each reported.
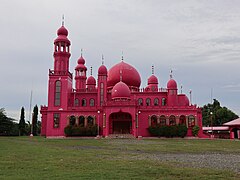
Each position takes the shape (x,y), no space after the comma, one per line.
(114,102)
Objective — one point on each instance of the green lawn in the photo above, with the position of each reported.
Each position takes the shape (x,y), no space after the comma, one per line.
(40,158)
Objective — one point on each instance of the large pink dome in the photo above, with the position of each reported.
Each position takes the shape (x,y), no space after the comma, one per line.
(130,76)
(121,91)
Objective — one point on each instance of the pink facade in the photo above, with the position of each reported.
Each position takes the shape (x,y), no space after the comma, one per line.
(114,101)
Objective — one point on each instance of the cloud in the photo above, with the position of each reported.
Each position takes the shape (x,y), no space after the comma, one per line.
(198,38)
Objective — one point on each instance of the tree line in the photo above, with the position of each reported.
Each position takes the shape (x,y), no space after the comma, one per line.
(10,127)
(213,114)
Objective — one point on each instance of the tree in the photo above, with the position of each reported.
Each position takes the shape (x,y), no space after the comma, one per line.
(7,125)
(219,116)
(22,124)
(35,121)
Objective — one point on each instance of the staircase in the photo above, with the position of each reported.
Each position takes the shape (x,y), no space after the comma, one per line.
(121,136)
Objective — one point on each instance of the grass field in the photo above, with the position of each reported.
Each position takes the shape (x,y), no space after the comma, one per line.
(40,158)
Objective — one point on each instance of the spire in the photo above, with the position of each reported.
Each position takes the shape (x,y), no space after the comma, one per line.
(63,20)
(190,92)
(102,59)
(91,70)
(152,69)
(171,74)
(181,88)
(81,52)
(122,55)
(121,75)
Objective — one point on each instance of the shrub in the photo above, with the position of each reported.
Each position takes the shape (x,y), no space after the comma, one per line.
(195,130)
(168,131)
(173,131)
(182,130)
(81,131)
(68,130)
(152,130)
(75,131)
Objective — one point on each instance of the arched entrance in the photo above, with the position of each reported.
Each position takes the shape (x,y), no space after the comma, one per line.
(120,123)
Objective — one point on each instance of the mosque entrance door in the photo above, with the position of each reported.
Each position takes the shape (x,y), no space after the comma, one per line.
(121,123)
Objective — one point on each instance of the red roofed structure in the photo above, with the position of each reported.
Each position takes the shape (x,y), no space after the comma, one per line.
(234,127)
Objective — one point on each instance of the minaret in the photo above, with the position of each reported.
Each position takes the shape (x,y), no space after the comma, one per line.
(102,84)
(80,74)
(61,51)
(172,99)
(60,79)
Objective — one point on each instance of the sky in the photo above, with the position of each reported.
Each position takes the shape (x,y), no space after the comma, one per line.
(198,39)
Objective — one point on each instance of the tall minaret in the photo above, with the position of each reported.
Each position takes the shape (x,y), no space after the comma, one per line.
(60,79)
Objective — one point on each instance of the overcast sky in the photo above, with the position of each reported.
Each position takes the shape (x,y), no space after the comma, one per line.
(199,40)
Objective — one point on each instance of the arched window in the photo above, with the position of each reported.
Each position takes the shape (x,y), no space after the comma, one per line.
(191,121)
(72,120)
(84,102)
(76,102)
(172,120)
(90,121)
(140,101)
(57,100)
(163,101)
(56,120)
(182,119)
(92,102)
(162,120)
(156,102)
(81,120)
(153,120)
(148,101)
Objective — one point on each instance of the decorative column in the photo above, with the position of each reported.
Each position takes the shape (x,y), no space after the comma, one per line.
(158,119)
(85,121)
(167,120)
(177,119)
(77,120)
(149,120)
(68,120)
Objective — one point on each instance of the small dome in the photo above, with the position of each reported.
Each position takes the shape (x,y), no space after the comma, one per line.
(62,31)
(81,66)
(130,75)
(81,60)
(183,100)
(121,91)
(172,84)
(91,81)
(102,70)
(152,80)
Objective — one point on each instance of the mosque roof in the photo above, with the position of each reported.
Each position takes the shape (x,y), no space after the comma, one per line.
(129,75)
